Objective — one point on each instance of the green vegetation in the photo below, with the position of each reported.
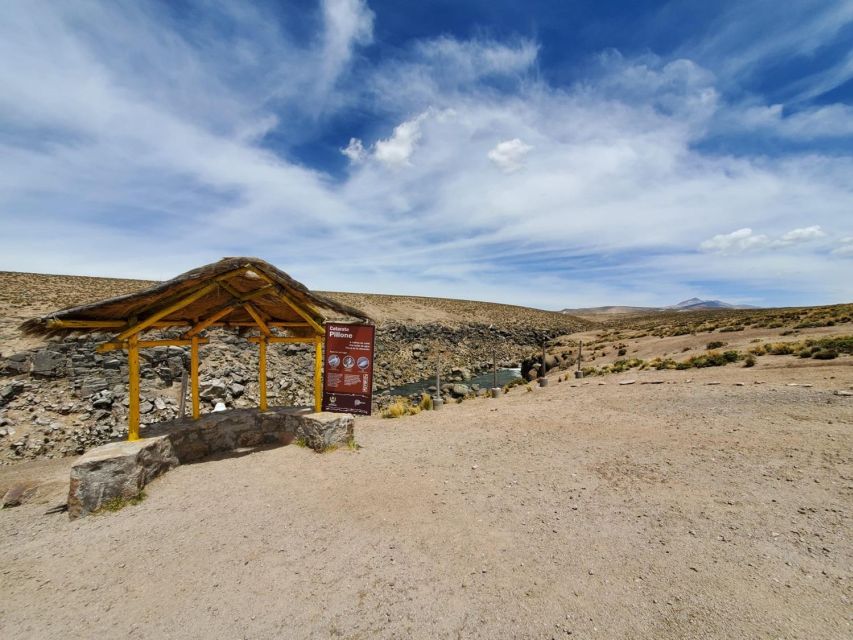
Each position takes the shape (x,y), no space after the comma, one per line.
(716,344)
(119,502)
(819,348)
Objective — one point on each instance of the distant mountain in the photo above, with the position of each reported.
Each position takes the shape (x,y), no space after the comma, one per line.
(693,304)
(696,304)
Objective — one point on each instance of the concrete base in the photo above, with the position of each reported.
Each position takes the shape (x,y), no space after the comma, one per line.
(543,382)
(437,403)
(578,374)
(119,470)
(496,392)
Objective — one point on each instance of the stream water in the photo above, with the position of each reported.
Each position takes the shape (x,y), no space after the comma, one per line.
(485,380)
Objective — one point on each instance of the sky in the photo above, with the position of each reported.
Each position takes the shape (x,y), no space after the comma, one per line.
(543,153)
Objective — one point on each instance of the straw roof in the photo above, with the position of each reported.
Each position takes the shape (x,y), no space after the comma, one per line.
(223,284)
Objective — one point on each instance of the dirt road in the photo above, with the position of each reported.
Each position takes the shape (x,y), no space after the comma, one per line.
(667,510)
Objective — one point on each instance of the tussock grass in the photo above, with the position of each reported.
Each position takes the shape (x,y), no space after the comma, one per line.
(399,408)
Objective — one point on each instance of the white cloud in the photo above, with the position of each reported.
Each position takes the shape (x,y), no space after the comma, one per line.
(806,234)
(396,150)
(744,240)
(735,242)
(509,155)
(347,24)
(355,150)
(845,248)
(141,129)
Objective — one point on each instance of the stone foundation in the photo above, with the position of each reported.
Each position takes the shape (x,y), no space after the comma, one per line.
(119,470)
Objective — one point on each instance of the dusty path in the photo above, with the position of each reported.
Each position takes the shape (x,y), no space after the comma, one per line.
(642,511)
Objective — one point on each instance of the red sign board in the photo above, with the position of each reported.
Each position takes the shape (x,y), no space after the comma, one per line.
(348,368)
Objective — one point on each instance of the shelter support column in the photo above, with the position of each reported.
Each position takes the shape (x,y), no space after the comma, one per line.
(318,374)
(262,373)
(133,388)
(194,377)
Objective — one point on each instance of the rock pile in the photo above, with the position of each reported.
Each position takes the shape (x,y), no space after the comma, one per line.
(65,398)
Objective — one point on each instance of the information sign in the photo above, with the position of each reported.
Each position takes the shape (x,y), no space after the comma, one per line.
(348,368)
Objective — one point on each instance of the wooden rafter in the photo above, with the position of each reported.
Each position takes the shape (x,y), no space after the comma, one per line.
(175,306)
(256,316)
(146,344)
(283,339)
(207,322)
(299,310)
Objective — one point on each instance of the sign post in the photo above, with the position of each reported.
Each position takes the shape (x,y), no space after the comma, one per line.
(348,368)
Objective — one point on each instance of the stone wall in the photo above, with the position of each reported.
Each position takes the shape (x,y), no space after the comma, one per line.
(118,471)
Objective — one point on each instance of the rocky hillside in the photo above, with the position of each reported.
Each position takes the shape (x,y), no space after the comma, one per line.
(59,397)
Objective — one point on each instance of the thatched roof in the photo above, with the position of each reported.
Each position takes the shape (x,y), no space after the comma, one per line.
(252,275)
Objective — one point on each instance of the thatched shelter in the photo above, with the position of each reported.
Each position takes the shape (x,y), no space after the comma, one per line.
(244,293)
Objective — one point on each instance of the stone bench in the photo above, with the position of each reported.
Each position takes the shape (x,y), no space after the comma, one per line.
(120,470)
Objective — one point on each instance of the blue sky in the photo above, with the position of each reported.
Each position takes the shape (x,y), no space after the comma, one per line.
(553,154)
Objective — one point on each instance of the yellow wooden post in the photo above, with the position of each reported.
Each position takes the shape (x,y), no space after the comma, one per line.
(318,374)
(194,376)
(262,373)
(133,388)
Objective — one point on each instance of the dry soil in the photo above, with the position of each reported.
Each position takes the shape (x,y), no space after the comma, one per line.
(585,510)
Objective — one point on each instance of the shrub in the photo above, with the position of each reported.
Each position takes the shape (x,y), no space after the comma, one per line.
(731,329)
(622,351)
(715,344)
(781,348)
(426,402)
(825,355)
(399,408)
(749,361)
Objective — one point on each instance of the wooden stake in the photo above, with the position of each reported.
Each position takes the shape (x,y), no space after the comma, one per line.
(495,369)
(318,374)
(182,405)
(194,376)
(133,388)
(262,373)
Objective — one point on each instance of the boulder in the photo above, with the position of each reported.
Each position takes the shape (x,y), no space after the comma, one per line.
(15,364)
(117,471)
(212,390)
(48,364)
(8,392)
(103,399)
(460,390)
(92,385)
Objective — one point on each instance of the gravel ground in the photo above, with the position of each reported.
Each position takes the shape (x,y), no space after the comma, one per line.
(666,510)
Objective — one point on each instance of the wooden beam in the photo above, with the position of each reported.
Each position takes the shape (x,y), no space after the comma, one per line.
(296,306)
(262,372)
(283,339)
(86,324)
(175,306)
(300,311)
(146,344)
(318,375)
(133,389)
(207,322)
(194,376)
(258,319)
